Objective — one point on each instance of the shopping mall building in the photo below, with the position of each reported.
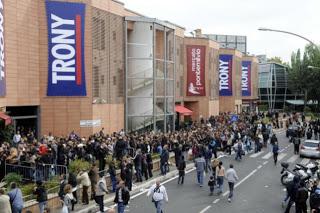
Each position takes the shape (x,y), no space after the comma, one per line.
(86,64)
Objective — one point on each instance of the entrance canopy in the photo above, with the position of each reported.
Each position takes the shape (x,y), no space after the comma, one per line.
(182,110)
(6,118)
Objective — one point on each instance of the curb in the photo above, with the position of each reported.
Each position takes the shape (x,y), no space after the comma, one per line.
(139,189)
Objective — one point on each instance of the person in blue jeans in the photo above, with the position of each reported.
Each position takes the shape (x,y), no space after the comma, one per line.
(112,173)
(122,197)
(220,172)
(200,164)
(42,196)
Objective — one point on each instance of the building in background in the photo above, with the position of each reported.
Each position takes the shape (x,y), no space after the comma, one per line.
(230,41)
(108,67)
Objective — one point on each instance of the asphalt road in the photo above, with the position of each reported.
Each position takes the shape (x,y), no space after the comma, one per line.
(258,189)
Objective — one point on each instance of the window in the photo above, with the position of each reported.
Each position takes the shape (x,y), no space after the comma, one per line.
(96,85)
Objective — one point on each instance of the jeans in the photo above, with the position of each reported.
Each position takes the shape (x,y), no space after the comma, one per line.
(220,183)
(139,174)
(16,210)
(159,206)
(238,156)
(208,165)
(301,208)
(200,177)
(231,187)
(114,182)
(275,158)
(121,207)
(42,206)
(181,177)
(289,206)
(163,168)
(99,201)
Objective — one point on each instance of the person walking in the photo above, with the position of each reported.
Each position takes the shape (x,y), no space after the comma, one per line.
(16,199)
(220,172)
(232,177)
(301,198)
(292,192)
(208,157)
(181,168)
(4,202)
(275,150)
(68,199)
(239,150)
(296,143)
(159,194)
(122,197)
(84,180)
(113,175)
(42,196)
(101,189)
(211,183)
(200,164)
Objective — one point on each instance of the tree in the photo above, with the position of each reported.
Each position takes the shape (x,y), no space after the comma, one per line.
(301,78)
(277,60)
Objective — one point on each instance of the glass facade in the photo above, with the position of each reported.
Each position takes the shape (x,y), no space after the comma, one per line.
(273,86)
(230,41)
(150,75)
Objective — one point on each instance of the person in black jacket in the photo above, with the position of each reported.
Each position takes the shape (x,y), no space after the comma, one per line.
(292,192)
(122,197)
(42,196)
(181,168)
(63,182)
(150,165)
(72,180)
(301,198)
(138,165)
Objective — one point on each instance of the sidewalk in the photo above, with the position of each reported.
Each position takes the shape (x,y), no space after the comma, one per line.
(136,189)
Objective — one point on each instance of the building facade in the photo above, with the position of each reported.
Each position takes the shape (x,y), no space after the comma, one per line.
(83,65)
(230,41)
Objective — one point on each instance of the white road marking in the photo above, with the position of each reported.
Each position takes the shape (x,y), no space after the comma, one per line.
(281,156)
(259,167)
(267,156)
(305,161)
(264,163)
(205,209)
(256,154)
(216,201)
(245,178)
(292,158)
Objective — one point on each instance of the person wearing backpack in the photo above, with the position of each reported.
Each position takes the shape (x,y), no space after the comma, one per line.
(122,197)
(41,194)
(16,199)
(159,194)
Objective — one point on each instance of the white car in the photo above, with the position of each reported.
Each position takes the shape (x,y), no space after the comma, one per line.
(310,148)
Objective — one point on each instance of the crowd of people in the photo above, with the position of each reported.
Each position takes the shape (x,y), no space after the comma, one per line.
(134,151)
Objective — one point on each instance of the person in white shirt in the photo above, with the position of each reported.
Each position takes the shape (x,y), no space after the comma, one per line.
(232,177)
(17,138)
(159,194)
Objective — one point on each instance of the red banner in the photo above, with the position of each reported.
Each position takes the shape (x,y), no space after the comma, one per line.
(196,70)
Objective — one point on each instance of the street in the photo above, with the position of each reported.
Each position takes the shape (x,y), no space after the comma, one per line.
(258,189)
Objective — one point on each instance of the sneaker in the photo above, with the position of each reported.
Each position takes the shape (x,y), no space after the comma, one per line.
(229,200)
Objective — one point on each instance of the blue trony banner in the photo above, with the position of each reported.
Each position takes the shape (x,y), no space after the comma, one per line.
(225,75)
(66,66)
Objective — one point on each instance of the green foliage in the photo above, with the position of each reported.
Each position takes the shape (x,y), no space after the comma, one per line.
(77,165)
(263,108)
(12,177)
(302,79)
(27,190)
(6,132)
(278,60)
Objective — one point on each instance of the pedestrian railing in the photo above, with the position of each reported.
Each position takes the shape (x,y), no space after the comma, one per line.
(38,172)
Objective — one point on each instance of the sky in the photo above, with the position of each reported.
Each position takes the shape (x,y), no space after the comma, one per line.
(242,17)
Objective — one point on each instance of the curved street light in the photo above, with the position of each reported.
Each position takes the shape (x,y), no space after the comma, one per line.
(286,32)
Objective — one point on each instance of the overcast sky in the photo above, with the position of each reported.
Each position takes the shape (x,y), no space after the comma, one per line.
(242,17)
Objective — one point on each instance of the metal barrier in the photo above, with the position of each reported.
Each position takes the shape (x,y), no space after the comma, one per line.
(39,172)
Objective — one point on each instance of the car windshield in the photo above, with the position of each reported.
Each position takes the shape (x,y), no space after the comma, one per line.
(309,144)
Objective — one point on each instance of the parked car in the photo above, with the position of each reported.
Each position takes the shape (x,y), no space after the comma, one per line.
(310,148)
